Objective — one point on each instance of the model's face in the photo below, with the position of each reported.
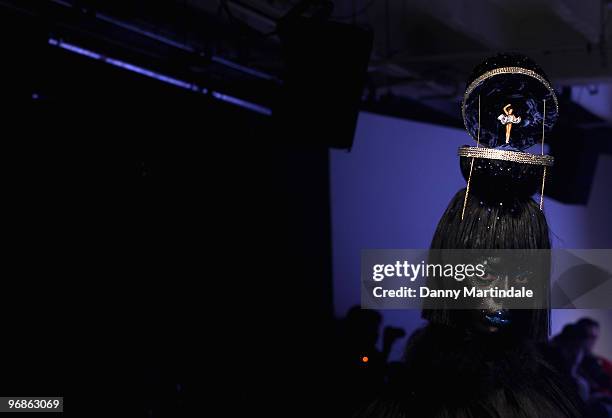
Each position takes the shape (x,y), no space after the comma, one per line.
(510,111)
(491,315)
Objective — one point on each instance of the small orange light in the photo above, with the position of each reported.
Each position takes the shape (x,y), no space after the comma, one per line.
(365,359)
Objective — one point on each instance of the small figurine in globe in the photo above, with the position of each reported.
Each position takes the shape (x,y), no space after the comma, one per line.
(507,119)
(509,107)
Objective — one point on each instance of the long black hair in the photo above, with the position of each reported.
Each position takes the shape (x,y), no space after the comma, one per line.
(493,221)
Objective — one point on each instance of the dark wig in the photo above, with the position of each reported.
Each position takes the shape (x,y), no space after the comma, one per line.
(492,222)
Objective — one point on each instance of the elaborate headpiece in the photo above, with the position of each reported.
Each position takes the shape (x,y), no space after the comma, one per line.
(508,106)
(476,360)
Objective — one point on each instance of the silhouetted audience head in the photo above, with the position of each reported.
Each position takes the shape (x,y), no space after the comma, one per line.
(589,331)
(570,343)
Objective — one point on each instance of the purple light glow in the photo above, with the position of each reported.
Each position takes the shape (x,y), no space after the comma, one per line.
(243,69)
(75,49)
(144,32)
(184,47)
(63,3)
(151,74)
(160,77)
(242,103)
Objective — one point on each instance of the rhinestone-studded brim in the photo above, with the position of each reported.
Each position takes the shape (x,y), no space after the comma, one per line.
(514,156)
(510,70)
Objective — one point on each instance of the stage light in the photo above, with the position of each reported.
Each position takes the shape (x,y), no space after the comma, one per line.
(160,77)
(243,103)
